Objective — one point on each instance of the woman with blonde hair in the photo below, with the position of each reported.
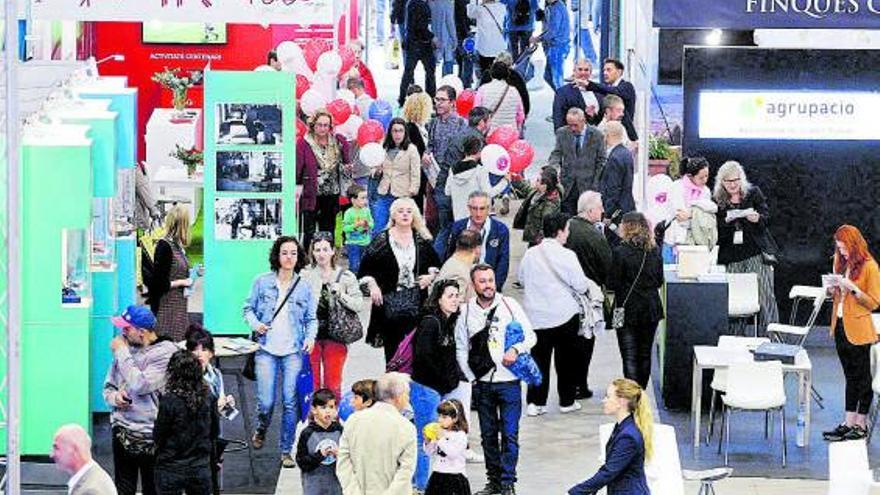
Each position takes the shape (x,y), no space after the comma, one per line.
(171,276)
(417,111)
(399,267)
(635,277)
(630,445)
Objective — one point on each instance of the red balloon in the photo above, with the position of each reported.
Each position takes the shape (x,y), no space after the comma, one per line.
(521,155)
(302,85)
(340,110)
(301,128)
(348,59)
(503,136)
(313,49)
(370,131)
(465,102)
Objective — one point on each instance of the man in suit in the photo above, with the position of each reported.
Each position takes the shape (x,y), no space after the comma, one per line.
(612,72)
(576,95)
(579,156)
(494,236)
(72,453)
(616,183)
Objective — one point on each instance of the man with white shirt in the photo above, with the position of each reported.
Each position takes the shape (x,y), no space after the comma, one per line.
(483,356)
(72,453)
(576,95)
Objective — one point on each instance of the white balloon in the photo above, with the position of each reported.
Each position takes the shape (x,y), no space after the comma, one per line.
(453,81)
(324,84)
(346,95)
(329,63)
(288,50)
(292,59)
(372,155)
(263,68)
(311,101)
(658,205)
(350,127)
(496,159)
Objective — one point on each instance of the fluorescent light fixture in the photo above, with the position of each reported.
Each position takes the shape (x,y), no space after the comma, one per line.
(714,37)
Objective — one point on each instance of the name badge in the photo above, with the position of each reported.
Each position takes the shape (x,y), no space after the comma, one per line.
(494,242)
(738,237)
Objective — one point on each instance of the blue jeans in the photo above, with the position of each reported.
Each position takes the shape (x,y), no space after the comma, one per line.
(597,7)
(587,47)
(499,406)
(448,66)
(381,211)
(355,253)
(553,72)
(466,70)
(380,20)
(267,368)
(424,403)
(444,220)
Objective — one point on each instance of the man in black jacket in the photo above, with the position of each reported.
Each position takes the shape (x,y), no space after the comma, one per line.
(577,95)
(418,46)
(616,183)
(612,72)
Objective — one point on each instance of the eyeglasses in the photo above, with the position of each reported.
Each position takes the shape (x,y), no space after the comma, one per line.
(321,124)
(323,236)
(439,99)
(732,181)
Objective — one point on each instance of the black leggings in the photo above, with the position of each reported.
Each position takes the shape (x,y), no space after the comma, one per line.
(128,467)
(635,343)
(563,340)
(856,363)
(323,217)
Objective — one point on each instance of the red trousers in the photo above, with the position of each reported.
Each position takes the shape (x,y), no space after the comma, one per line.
(328,360)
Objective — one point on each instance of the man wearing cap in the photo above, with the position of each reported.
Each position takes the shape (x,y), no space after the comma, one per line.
(131,389)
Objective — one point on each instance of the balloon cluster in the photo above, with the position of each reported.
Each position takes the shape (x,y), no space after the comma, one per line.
(506,153)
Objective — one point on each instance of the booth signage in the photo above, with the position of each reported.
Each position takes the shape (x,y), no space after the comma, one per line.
(303,12)
(756,14)
(806,115)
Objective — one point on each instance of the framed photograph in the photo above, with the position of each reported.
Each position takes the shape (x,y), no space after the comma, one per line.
(249,171)
(246,123)
(242,219)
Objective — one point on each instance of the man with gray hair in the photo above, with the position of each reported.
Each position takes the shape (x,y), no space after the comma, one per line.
(616,184)
(72,453)
(579,156)
(587,239)
(377,451)
(576,95)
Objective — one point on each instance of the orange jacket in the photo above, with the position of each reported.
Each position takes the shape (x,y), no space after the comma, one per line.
(857,322)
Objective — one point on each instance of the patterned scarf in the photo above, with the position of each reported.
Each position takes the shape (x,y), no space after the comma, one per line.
(328,156)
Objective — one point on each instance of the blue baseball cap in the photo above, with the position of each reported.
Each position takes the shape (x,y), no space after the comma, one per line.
(135,316)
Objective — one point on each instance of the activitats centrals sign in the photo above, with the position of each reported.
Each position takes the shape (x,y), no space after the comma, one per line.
(801,115)
(756,14)
(302,12)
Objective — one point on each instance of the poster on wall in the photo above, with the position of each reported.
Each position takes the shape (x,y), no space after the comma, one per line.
(249,171)
(242,219)
(248,123)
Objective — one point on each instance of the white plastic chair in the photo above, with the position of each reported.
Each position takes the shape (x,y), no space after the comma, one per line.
(753,386)
(800,293)
(663,470)
(849,472)
(796,334)
(719,378)
(743,301)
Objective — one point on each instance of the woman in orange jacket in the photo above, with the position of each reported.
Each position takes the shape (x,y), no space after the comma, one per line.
(856,294)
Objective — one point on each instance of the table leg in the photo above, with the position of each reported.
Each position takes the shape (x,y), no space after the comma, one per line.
(807,403)
(696,403)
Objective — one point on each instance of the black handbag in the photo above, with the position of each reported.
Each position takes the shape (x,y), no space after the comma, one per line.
(479,358)
(404,302)
(345,326)
(250,365)
(522,214)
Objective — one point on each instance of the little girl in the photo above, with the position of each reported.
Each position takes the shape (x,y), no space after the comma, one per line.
(448,448)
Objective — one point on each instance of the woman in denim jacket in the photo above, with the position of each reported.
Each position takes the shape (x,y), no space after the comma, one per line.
(285,341)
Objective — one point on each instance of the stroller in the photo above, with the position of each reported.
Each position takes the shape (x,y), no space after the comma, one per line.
(523,63)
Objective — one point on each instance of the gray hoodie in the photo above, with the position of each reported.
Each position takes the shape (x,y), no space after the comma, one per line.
(466,177)
(140,372)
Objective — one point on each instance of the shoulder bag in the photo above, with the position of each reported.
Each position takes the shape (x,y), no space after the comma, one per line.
(588,314)
(345,326)
(479,358)
(404,303)
(618,317)
(250,366)
(497,24)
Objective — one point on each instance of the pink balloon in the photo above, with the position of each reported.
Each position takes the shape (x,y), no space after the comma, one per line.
(521,155)
(302,85)
(313,50)
(348,59)
(503,136)
(371,131)
(340,110)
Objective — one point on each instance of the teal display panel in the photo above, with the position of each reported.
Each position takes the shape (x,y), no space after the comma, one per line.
(123,101)
(103,135)
(250,185)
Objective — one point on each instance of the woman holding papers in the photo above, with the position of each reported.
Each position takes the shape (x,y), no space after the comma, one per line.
(744,241)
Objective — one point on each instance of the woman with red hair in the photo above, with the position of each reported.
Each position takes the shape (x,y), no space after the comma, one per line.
(856,294)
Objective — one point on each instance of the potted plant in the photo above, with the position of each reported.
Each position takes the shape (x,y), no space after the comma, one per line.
(179,85)
(191,158)
(659,154)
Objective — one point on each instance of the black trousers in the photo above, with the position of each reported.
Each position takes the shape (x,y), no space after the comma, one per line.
(569,203)
(519,42)
(635,343)
(323,217)
(856,363)
(193,481)
(128,467)
(410,59)
(585,356)
(562,340)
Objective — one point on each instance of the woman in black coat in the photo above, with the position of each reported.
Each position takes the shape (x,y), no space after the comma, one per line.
(636,276)
(399,262)
(434,360)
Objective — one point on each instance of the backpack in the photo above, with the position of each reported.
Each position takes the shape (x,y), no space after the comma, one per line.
(522,10)
(402,361)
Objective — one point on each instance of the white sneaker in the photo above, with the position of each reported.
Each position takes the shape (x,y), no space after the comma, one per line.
(575,406)
(533,410)
(473,458)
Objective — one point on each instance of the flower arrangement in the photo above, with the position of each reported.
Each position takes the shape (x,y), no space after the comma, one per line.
(178,84)
(191,158)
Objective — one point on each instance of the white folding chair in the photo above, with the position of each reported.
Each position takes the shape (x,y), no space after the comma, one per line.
(719,378)
(742,300)
(797,334)
(849,472)
(753,386)
(800,293)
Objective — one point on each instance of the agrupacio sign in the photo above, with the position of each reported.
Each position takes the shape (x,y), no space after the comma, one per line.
(755,14)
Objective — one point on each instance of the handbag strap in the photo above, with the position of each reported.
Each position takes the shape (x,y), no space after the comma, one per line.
(289,292)
(501,100)
(633,286)
(500,29)
(553,270)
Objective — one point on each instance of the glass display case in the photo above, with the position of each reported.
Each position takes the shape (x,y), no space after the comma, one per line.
(103,235)
(75,280)
(123,204)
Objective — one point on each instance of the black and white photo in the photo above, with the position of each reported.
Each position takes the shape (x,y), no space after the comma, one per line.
(249,171)
(247,123)
(237,219)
